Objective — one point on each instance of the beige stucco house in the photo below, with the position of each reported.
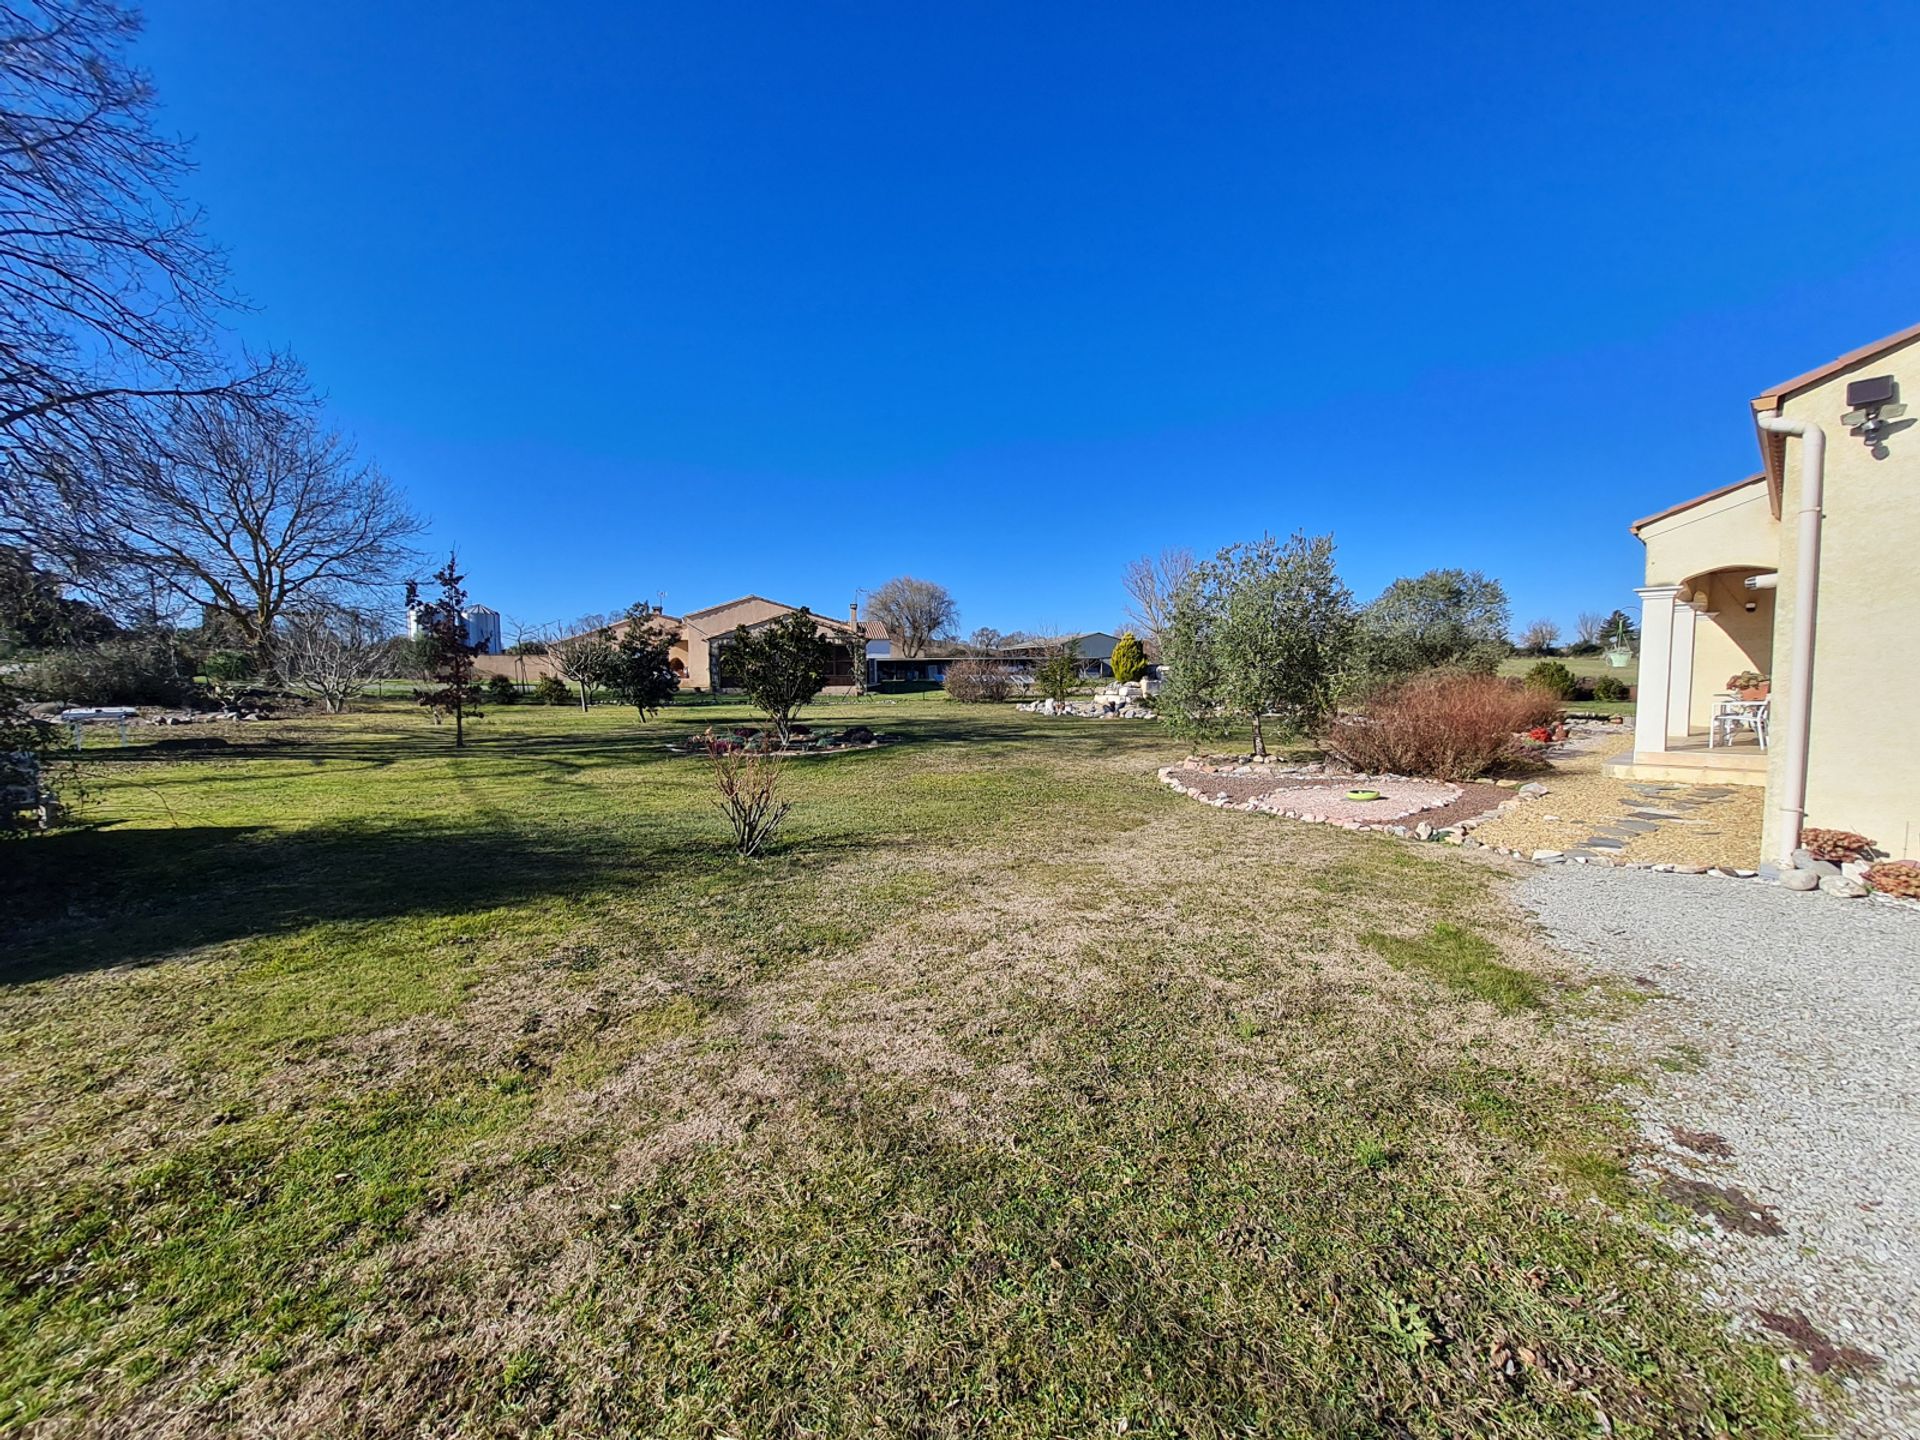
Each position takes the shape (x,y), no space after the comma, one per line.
(700,641)
(1806,573)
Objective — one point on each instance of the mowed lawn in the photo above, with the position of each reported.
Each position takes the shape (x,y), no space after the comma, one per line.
(358,1087)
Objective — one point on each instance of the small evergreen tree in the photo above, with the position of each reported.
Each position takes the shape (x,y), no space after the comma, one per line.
(1060,674)
(449,654)
(501,690)
(780,666)
(642,673)
(1129,659)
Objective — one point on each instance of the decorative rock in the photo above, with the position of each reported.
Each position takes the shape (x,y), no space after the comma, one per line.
(1799,880)
(1546,855)
(1854,869)
(1533,787)
(1689,869)
(1845,886)
(1423,831)
(1802,860)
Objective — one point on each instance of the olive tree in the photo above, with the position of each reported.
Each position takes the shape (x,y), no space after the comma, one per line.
(1455,618)
(1262,631)
(586,656)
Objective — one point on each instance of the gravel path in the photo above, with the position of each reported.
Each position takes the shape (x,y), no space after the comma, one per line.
(1785,1036)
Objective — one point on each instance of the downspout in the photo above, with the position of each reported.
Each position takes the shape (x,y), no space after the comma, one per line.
(1792,801)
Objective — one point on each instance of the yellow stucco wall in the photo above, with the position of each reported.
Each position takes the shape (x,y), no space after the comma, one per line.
(1863,770)
(1734,529)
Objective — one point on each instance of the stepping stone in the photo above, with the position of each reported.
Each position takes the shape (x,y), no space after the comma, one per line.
(1632,827)
(1601,842)
(1653,814)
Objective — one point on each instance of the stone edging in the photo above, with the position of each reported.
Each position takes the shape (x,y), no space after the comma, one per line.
(1459,832)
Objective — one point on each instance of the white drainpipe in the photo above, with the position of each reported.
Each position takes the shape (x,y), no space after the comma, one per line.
(1792,801)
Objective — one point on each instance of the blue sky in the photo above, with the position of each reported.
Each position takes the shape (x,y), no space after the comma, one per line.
(706,299)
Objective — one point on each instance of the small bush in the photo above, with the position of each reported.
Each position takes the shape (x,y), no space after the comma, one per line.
(1554,678)
(551,690)
(501,690)
(1610,689)
(748,779)
(1896,877)
(1835,846)
(979,681)
(1442,725)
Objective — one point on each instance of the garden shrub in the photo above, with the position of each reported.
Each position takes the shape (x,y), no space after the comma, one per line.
(979,681)
(1443,725)
(1129,659)
(551,690)
(1553,677)
(135,670)
(1610,689)
(501,690)
(1896,877)
(1835,846)
(228,667)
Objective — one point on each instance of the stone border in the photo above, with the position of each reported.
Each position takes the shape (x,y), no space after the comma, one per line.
(1839,883)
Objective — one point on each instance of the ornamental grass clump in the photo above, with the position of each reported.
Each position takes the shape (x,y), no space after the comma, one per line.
(1896,877)
(1834,846)
(1444,726)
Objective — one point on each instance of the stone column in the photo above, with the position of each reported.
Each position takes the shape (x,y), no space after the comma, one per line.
(1656,664)
(1680,670)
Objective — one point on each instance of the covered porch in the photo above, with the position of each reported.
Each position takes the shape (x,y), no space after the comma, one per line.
(1694,636)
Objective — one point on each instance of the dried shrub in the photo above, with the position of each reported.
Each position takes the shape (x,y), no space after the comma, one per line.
(1896,877)
(748,779)
(1836,846)
(979,681)
(1442,725)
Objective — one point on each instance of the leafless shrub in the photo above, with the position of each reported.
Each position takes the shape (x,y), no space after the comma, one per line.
(1446,726)
(333,653)
(748,779)
(979,681)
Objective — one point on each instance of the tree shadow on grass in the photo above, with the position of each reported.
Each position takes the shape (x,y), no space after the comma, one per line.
(109,895)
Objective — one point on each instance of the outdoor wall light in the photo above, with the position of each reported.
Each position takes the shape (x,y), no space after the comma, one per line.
(1872,405)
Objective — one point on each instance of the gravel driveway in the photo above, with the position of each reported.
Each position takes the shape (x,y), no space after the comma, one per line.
(1785,1040)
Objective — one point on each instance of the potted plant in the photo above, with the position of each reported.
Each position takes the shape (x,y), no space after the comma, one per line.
(1618,635)
(1750,685)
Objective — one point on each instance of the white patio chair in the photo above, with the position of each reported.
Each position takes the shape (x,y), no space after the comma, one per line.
(1735,715)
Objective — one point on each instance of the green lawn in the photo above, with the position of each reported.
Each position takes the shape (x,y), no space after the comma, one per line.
(1590,666)
(356,1086)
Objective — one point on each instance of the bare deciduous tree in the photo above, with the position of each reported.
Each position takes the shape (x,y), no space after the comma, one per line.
(1587,627)
(1539,636)
(333,653)
(251,512)
(585,655)
(109,293)
(915,612)
(1151,583)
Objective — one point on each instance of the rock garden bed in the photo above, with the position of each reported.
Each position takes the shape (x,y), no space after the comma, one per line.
(801,741)
(1318,794)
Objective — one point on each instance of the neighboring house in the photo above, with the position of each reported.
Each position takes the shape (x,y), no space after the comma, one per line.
(1817,597)
(1093,649)
(698,651)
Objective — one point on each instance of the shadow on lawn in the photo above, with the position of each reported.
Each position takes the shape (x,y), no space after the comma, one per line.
(107,895)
